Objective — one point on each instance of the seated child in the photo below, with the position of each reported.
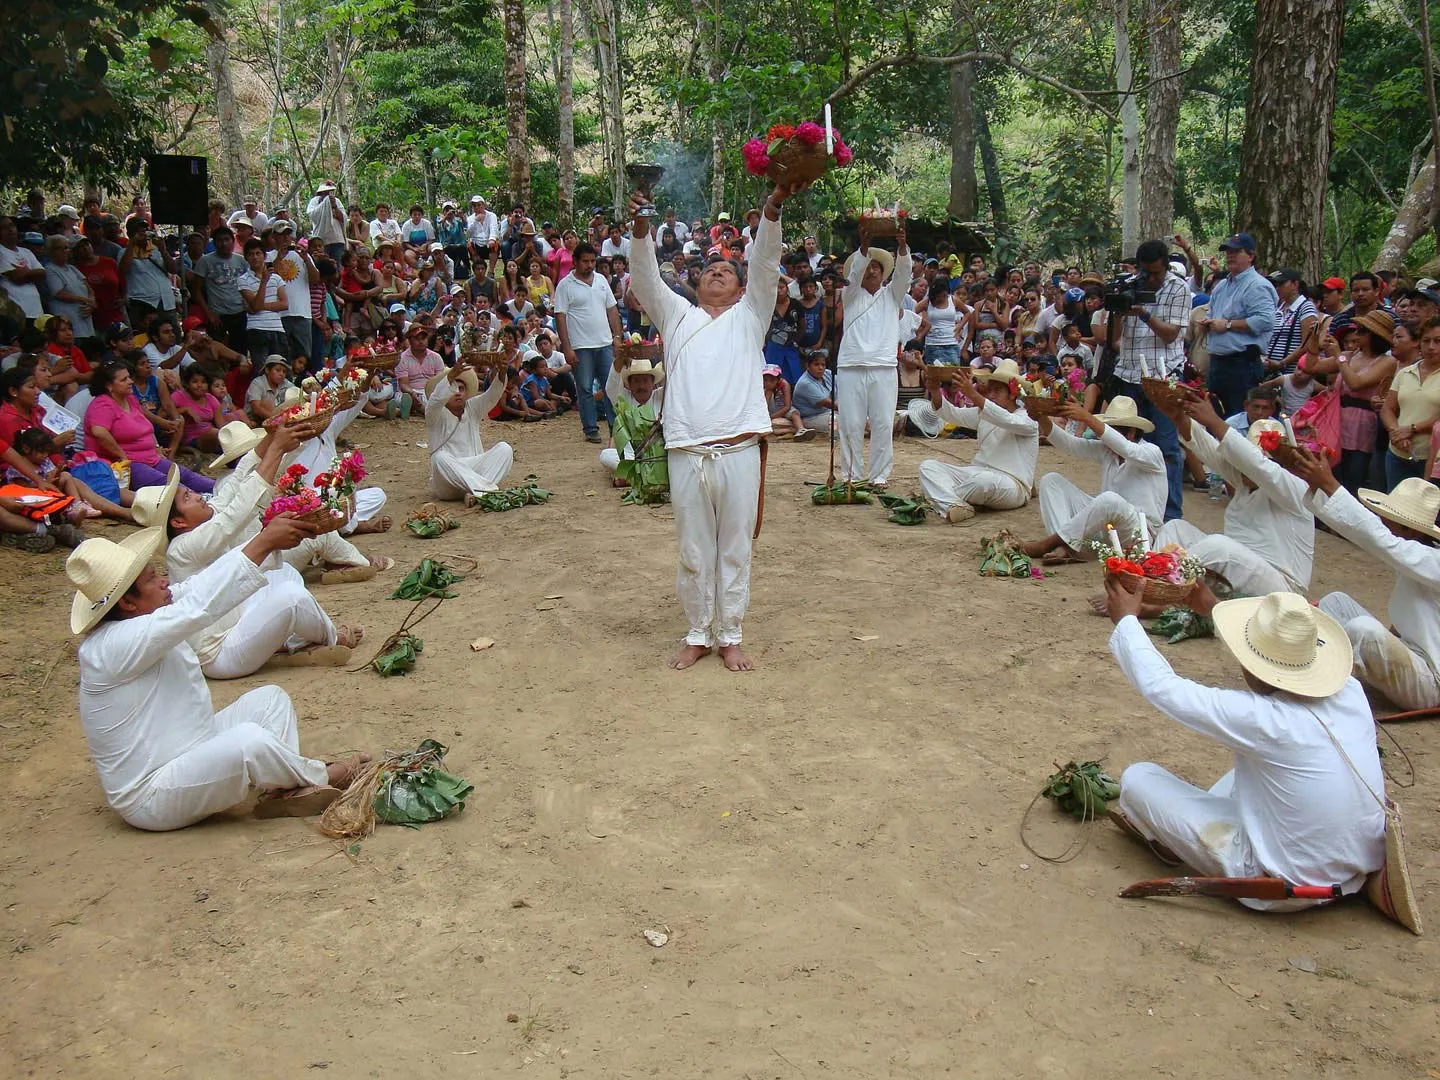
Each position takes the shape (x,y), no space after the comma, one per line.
(380,399)
(154,397)
(221,394)
(35,445)
(535,387)
(784,417)
(513,405)
(911,381)
(198,409)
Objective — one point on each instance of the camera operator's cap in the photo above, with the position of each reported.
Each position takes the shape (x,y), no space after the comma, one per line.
(1241,241)
(1334,284)
(1074,294)
(1281,276)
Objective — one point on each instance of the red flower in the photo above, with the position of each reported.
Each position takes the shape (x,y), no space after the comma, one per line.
(843,154)
(780,131)
(1116,565)
(809,133)
(757,157)
(1158,564)
(1269,441)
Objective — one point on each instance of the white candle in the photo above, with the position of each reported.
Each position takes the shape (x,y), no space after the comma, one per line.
(1115,541)
(1144,539)
(1289,431)
(312,401)
(829,135)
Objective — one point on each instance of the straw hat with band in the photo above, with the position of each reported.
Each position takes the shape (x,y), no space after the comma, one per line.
(237,439)
(152,504)
(642,366)
(1260,427)
(1286,643)
(102,571)
(925,417)
(468,377)
(1378,323)
(875,254)
(1006,371)
(1123,413)
(1414,503)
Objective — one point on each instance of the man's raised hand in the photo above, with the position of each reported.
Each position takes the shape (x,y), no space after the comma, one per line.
(1124,595)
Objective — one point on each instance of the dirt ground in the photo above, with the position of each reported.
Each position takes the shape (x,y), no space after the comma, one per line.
(831,842)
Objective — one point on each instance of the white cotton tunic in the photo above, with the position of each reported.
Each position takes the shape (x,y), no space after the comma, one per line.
(1307,817)
(1133,470)
(713,388)
(1415,602)
(1008,442)
(1272,520)
(143,698)
(872,320)
(459,436)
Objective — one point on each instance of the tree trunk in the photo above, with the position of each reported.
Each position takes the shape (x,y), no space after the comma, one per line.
(604,17)
(999,214)
(962,205)
(1285,156)
(277,68)
(517,143)
(566,93)
(1411,220)
(338,77)
(227,115)
(1162,118)
(1129,132)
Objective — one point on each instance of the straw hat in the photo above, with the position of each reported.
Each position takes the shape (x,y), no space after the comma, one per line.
(1123,413)
(925,417)
(237,439)
(152,504)
(1286,643)
(643,366)
(1414,503)
(1260,427)
(1006,371)
(102,570)
(293,396)
(880,255)
(1378,323)
(467,377)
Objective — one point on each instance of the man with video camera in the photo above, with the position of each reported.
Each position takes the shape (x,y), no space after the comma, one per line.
(1152,307)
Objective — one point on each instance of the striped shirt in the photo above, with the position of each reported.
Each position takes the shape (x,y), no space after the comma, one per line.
(1289,322)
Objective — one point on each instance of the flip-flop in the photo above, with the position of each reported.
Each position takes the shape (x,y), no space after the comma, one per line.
(302,802)
(318,656)
(1130,829)
(806,435)
(347,575)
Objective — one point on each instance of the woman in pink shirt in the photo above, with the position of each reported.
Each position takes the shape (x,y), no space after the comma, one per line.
(417,366)
(562,258)
(118,430)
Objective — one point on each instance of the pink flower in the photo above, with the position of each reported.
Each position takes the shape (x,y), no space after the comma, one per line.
(757,157)
(843,154)
(302,503)
(810,133)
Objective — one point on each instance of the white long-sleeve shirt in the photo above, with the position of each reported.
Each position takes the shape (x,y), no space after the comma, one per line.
(234,521)
(459,436)
(1415,602)
(713,388)
(482,228)
(1008,442)
(1133,470)
(143,699)
(1307,816)
(1272,520)
(872,320)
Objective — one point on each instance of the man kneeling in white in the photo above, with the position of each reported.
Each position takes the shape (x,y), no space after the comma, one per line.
(1002,471)
(1402,665)
(1132,482)
(1303,800)
(166,758)
(460,466)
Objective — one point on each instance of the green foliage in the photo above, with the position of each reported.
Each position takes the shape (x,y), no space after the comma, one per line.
(1069,211)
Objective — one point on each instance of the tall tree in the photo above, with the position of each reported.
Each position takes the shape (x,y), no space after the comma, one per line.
(962,143)
(990,160)
(565,91)
(340,89)
(1162,118)
(517,143)
(1129,131)
(1412,218)
(227,114)
(1285,155)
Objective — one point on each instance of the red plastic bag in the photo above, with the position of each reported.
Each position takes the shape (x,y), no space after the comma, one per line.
(1317,424)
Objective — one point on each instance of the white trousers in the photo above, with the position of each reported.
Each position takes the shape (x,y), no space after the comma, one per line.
(329,548)
(1201,827)
(256,745)
(1075,517)
(714,496)
(1382,659)
(368,502)
(610,458)
(1247,573)
(948,485)
(866,394)
(281,615)
(454,477)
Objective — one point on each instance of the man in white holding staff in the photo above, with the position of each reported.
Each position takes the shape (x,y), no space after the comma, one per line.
(714,418)
(866,382)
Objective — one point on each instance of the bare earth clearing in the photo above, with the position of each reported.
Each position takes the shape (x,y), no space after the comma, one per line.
(830,841)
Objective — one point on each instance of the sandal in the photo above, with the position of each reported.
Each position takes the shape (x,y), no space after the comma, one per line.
(346,575)
(316,656)
(298,802)
(1129,828)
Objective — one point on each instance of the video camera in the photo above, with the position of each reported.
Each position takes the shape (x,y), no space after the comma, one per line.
(1122,293)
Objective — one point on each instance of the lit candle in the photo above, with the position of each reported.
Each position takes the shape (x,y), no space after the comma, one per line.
(1115,541)
(829,135)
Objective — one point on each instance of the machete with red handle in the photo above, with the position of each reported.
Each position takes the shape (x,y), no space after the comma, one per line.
(1234,888)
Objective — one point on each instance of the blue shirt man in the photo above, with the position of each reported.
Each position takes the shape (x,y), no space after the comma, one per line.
(1242,315)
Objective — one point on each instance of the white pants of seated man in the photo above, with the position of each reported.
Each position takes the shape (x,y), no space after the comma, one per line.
(948,485)
(368,502)
(282,615)
(1201,827)
(1247,573)
(713,494)
(255,745)
(329,548)
(866,394)
(1075,517)
(1382,660)
(453,477)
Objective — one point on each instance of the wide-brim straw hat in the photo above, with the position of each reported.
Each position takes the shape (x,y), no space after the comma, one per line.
(1006,371)
(152,504)
(875,254)
(1414,503)
(102,570)
(468,377)
(237,439)
(643,366)
(1123,413)
(1377,322)
(925,417)
(1286,643)
(1260,427)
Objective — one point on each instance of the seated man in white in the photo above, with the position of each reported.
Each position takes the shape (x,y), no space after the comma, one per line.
(166,758)
(460,466)
(1269,540)
(1002,471)
(1302,802)
(1132,482)
(282,623)
(1402,664)
(317,454)
(639,383)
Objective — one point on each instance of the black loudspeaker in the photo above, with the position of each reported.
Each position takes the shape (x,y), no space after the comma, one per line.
(179,189)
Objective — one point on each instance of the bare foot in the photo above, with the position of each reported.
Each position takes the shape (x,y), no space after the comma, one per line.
(1100,606)
(341,771)
(469,501)
(374,525)
(1035,548)
(381,562)
(687,656)
(617,482)
(349,636)
(1061,556)
(735,660)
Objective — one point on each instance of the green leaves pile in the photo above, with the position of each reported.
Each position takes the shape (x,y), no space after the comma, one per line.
(400,658)
(1178,623)
(512,498)
(431,578)
(999,557)
(839,494)
(427,528)
(1081,790)
(415,790)
(905,510)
